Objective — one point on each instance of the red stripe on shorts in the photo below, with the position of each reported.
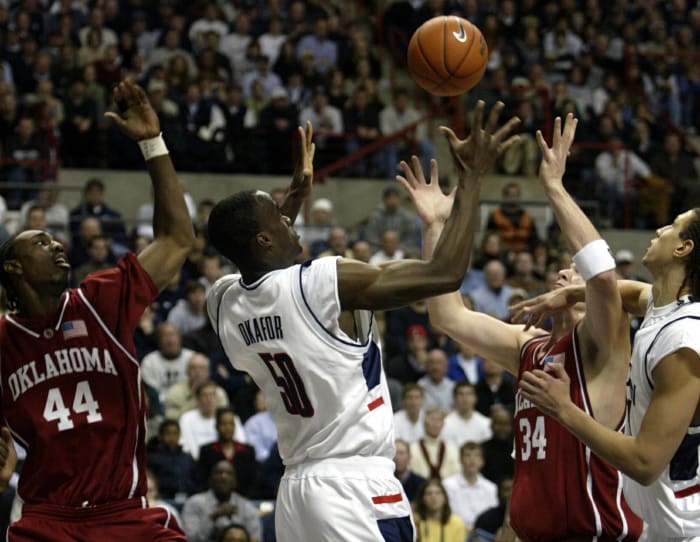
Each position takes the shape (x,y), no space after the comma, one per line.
(385,499)
(687,491)
(377,402)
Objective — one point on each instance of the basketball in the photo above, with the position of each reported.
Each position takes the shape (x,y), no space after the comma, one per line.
(447,56)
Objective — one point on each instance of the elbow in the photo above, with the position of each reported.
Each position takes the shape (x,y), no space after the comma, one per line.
(645,472)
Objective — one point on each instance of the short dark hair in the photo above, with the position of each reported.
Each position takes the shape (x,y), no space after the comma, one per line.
(193,286)
(222,534)
(94,183)
(7,252)
(167,423)
(221,411)
(233,223)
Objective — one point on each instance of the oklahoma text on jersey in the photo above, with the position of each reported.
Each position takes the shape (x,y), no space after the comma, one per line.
(60,362)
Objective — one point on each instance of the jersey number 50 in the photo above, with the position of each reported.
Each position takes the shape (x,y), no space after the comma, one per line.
(292,389)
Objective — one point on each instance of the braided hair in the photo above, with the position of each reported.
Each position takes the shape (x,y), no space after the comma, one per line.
(692,262)
(7,252)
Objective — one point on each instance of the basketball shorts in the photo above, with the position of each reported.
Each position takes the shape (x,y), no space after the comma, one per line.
(344,500)
(128,520)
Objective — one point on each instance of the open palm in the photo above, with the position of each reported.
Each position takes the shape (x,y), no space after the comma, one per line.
(431,204)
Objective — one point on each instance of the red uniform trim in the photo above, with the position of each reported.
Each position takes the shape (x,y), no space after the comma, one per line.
(379,401)
(385,499)
(687,491)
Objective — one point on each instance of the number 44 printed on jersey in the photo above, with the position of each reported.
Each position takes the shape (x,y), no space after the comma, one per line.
(83,402)
(534,439)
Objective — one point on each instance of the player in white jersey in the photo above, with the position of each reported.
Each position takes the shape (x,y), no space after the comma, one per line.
(304,333)
(659,455)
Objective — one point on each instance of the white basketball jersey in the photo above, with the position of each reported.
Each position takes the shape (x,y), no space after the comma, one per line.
(326,391)
(671,505)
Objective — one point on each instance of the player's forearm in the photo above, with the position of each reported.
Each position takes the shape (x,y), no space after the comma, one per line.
(439,307)
(453,248)
(575,225)
(170,216)
(622,451)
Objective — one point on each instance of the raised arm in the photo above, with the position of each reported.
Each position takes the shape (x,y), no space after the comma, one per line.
(604,324)
(488,337)
(400,282)
(172,226)
(303,176)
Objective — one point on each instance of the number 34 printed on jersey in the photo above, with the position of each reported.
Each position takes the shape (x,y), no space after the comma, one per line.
(534,439)
(83,402)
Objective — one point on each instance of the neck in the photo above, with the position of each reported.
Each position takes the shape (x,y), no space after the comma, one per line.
(413,416)
(35,304)
(665,289)
(466,414)
(223,496)
(563,324)
(471,478)
(434,514)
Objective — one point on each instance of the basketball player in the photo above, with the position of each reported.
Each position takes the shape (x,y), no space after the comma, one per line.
(561,491)
(70,388)
(304,333)
(659,453)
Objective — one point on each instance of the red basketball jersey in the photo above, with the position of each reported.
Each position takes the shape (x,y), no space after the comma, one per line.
(561,490)
(72,395)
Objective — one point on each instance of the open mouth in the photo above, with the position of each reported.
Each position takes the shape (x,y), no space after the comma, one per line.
(61,261)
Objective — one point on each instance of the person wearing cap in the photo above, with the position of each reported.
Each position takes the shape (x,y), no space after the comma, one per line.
(390,215)
(321,220)
(624,265)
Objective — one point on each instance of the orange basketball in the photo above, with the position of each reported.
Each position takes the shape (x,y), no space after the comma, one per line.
(447,55)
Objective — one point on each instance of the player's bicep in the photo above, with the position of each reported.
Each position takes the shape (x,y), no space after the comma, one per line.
(161,260)
(635,296)
(673,406)
(487,337)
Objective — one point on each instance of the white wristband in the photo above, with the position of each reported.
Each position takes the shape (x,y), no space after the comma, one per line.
(155,146)
(594,259)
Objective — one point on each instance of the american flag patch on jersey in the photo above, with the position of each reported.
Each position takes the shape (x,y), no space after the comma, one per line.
(74,329)
(554,358)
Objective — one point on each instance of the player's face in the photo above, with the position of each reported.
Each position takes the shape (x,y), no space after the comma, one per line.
(42,258)
(279,227)
(667,240)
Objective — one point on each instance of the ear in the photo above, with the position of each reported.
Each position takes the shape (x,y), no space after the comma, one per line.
(263,240)
(685,249)
(12,267)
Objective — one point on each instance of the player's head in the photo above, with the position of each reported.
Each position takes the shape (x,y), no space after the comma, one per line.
(678,244)
(431,498)
(249,229)
(32,260)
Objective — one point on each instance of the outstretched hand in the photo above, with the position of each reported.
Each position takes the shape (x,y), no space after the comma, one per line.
(534,312)
(548,389)
(431,204)
(553,163)
(303,176)
(479,151)
(138,120)
(8,457)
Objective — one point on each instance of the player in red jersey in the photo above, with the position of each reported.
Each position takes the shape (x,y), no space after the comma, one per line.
(70,381)
(561,491)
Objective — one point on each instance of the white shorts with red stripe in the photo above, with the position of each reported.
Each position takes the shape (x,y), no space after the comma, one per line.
(354,499)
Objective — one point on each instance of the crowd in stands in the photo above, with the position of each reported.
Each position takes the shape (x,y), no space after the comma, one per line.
(230,82)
